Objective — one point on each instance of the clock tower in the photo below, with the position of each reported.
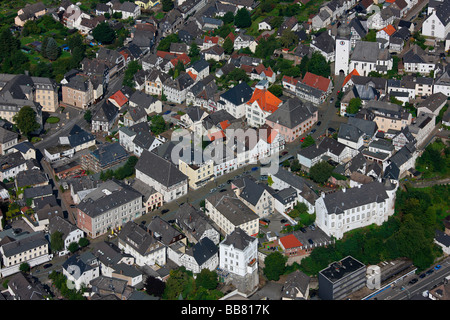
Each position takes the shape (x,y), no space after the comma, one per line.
(343,45)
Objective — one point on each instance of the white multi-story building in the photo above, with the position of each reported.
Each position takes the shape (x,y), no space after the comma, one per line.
(437,25)
(238,254)
(348,209)
(162,175)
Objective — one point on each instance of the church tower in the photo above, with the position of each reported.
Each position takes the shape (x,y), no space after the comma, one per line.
(343,45)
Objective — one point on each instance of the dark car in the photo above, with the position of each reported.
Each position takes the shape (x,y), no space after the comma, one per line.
(319,123)
(423,275)
(310,241)
(223,190)
(413,281)
(72,206)
(283,220)
(164,211)
(229,181)
(429,271)
(303,230)
(313,130)
(48,265)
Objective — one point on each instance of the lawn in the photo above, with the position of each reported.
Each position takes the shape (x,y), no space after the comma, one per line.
(52,120)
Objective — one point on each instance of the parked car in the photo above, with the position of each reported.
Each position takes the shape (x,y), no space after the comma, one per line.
(429,271)
(223,190)
(310,241)
(164,211)
(313,130)
(283,220)
(303,230)
(437,267)
(413,281)
(423,275)
(319,123)
(48,265)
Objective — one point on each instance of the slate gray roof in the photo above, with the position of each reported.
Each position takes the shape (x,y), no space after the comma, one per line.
(433,101)
(443,12)
(312,151)
(160,169)
(292,113)
(26,287)
(97,202)
(6,135)
(138,238)
(229,205)
(195,113)
(192,220)
(203,250)
(341,200)
(239,94)
(78,136)
(107,253)
(107,154)
(366,126)
(332,145)
(251,191)
(296,281)
(58,223)
(142,99)
(34,240)
(106,113)
(30,178)
(36,192)
(349,132)
(238,239)
(365,51)
(163,231)
(324,42)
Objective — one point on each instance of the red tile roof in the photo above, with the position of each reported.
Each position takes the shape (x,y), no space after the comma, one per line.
(290,80)
(290,241)
(119,98)
(316,81)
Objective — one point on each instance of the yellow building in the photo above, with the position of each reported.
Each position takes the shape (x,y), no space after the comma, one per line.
(198,175)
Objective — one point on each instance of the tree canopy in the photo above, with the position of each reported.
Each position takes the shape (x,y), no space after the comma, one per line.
(320,172)
(242,18)
(275,264)
(25,120)
(103,33)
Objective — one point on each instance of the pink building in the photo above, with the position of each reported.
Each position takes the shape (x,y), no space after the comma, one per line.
(293,118)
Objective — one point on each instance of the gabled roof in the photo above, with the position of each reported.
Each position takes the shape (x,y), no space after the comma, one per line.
(267,101)
(239,94)
(389,29)
(292,113)
(161,170)
(316,81)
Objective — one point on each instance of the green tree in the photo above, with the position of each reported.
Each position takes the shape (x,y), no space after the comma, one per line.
(194,51)
(228,17)
(164,44)
(288,38)
(319,65)
(242,18)
(309,141)
(52,51)
(276,90)
(354,105)
(132,68)
(25,121)
(228,46)
(24,267)
(275,265)
(321,172)
(167,5)
(154,286)
(73,247)
(56,241)
(207,279)
(158,125)
(103,33)
(83,242)
(88,116)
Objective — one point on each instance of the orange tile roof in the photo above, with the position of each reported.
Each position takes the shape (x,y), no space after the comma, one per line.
(193,76)
(265,99)
(389,29)
(316,81)
(349,76)
(290,241)
(211,39)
